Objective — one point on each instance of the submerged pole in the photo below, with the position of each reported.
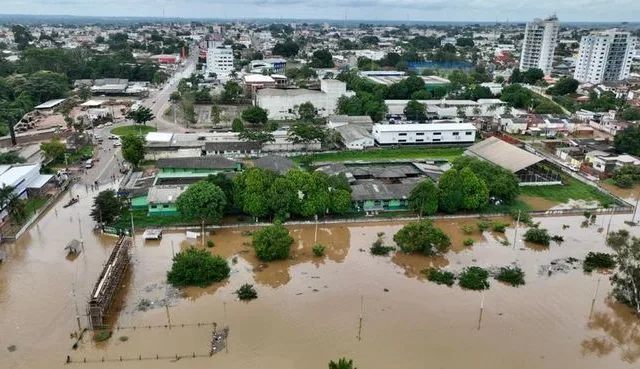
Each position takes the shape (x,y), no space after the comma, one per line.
(515,234)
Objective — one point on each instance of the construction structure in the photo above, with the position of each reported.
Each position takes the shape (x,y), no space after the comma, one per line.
(107,286)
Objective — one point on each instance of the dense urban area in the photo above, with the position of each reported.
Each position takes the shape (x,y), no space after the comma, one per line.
(261,194)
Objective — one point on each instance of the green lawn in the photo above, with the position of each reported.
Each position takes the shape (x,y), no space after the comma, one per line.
(137,129)
(574,189)
(86,151)
(34,203)
(395,153)
(141,220)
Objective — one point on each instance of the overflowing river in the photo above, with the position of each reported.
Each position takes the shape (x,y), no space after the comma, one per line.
(308,310)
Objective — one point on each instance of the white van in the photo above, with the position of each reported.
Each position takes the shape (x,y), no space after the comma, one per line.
(88,164)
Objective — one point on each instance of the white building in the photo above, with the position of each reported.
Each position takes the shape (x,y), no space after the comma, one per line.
(448,40)
(355,137)
(540,39)
(220,61)
(424,134)
(605,56)
(282,103)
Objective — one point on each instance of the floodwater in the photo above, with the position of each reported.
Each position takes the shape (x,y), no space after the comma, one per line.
(308,311)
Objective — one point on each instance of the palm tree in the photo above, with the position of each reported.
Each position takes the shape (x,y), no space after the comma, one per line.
(343,363)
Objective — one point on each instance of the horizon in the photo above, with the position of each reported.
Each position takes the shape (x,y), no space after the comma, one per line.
(501,11)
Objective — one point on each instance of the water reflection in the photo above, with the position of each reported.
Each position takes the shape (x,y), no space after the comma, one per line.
(619,328)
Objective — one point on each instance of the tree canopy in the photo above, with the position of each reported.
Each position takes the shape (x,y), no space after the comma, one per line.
(415,111)
(197,267)
(564,86)
(501,183)
(106,207)
(423,198)
(450,195)
(628,140)
(305,133)
(133,149)
(288,49)
(142,115)
(272,243)
(53,149)
(203,201)
(322,59)
(422,237)
(255,115)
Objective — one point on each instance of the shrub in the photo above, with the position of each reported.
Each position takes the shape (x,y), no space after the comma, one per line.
(498,226)
(468,242)
(557,238)
(467,229)
(511,275)
(483,225)
(598,260)
(525,217)
(538,236)
(318,250)
(378,249)
(102,336)
(210,243)
(197,267)
(440,276)
(422,237)
(272,243)
(246,292)
(474,278)
(505,243)
(380,234)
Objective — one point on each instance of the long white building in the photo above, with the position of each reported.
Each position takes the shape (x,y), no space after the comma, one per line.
(220,61)
(282,103)
(605,57)
(424,134)
(539,45)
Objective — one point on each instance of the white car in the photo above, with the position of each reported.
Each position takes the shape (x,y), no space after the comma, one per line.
(117,143)
(108,124)
(101,126)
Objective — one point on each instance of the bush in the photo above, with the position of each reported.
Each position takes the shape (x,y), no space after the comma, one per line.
(246,292)
(474,278)
(467,229)
(505,243)
(538,236)
(525,217)
(210,243)
(440,276)
(483,225)
(598,260)
(272,243)
(378,249)
(557,238)
(102,336)
(318,250)
(512,275)
(498,226)
(422,237)
(197,267)
(468,242)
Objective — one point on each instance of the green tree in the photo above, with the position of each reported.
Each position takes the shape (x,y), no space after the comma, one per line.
(281,198)
(237,125)
(226,185)
(142,115)
(532,75)
(450,191)
(197,267)
(422,237)
(272,243)
(260,137)
(475,194)
(628,140)
(423,198)
(517,96)
(53,149)
(10,157)
(414,84)
(343,363)
(340,202)
(305,133)
(626,278)
(106,207)
(313,192)
(215,115)
(203,201)
(629,113)
(188,109)
(322,59)
(288,49)
(564,86)
(415,111)
(250,191)
(133,149)
(501,183)
(306,111)
(84,92)
(255,115)
(232,92)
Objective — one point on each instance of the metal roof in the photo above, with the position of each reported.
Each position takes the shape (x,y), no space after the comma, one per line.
(164,194)
(503,154)
(231,146)
(50,104)
(377,190)
(198,162)
(276,163)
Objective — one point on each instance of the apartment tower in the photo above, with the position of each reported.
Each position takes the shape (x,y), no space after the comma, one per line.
(540,39)
(605,57)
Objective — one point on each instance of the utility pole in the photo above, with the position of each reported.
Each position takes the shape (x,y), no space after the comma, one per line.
(80,230)
(133,237)
(635,209)
(515,234)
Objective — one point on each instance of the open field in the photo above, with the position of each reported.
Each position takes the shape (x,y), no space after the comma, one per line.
(574,190)
(395,153)
(137,129)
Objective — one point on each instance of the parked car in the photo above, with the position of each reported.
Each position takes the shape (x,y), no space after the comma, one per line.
(114,137)
(117,143)
(88,164)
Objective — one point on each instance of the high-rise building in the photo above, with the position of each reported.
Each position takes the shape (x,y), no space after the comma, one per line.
(220,61)
(540,39)
(605,56)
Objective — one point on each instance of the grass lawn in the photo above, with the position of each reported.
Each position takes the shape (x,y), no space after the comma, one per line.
(35,203)
(395,153)
(137,129)
(86,151)
(574,189)
(142,220)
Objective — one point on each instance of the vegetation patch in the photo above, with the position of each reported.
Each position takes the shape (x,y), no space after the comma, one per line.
(483,225)
(498,226)
(511,275)
(468,242)
(210,243)
(474,278)
(467,229)
(598,260)
(522,216)
(197,267)
(272,243)
(422,237)
(572,190)
(318,250)
(246,292)
(102,336)
(139,130)
(440,276)
(379,249)
(539,236)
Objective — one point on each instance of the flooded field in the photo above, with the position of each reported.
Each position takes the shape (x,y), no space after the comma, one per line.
(308,308)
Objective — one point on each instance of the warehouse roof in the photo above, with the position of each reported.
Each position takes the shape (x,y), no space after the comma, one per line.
(164,194)
(503,154)
(377,190)
(231,146)
(352,132)
(424,127)
(276,163)
(198,162)
(50,104)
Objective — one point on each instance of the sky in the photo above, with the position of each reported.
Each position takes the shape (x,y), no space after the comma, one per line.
(412,10)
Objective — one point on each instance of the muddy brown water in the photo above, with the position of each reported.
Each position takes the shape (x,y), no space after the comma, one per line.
(308,308)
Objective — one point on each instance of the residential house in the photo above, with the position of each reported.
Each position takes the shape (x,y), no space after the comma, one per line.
(161,200)
(177,171)
(355,137)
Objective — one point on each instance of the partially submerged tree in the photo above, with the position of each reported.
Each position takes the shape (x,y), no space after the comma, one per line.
(422,237)
(342,363)
(106,207)
(203,201)
(626,279)
(272,243)
(197,267)
(423,198)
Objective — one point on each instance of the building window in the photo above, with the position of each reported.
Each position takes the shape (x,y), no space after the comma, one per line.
(436,140)
(420,134)
(165,206)
(468,133)
(402,134)
(437,133)
(419,140)
(402,140)
(154,206)
(456,133)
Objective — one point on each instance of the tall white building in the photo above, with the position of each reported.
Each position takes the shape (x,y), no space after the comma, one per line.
(220,61)
(605,56)
(540,39)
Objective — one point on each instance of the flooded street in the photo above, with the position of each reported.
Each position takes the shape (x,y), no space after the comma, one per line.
(308,308)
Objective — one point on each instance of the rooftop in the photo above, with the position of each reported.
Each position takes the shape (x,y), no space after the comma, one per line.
(198,162)
(275,163)
(503,154)
(164,194)
(50,104)
(424,127)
